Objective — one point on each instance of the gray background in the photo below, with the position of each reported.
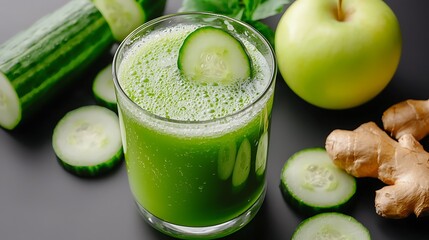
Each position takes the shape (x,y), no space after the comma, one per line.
(40,201)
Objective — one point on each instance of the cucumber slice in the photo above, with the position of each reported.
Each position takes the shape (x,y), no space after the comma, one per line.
(87,141)
(242,165)
(211,55)
(226,160)
(311,182)
(123,16)
(261,154)
(331,226)
(103,88)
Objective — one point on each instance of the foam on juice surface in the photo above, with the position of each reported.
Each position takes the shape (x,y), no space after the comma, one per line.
(150,77)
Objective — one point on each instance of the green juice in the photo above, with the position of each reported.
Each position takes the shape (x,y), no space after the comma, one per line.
(195,153)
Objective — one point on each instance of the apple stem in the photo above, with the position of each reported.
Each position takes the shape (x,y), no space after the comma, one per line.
(340,15)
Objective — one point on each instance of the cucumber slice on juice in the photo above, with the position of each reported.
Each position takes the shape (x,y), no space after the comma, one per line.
(87,141)
(123,16)
(211,55)
(331,226)
(261,154)
(242,165)
(226,160)
(103,88)
(311,182)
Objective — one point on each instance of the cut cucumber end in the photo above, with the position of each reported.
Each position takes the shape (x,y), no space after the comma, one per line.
(123,16)
(311,182)
(211,55)
(104,89)
(10,106)
(331,226)
(87,141)
(242,165)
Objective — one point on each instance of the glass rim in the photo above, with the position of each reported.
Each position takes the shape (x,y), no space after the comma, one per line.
(120,90)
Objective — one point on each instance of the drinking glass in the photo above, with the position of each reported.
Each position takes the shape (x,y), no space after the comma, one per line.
(197,179)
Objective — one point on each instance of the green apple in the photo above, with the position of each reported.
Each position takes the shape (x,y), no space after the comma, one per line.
(338,54)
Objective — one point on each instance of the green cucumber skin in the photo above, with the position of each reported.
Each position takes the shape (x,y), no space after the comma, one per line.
(53,52)
(96,170)
(308,210)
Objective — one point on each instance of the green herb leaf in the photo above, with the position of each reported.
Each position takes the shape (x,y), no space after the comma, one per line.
(268,8)
(264,30)
(229,8)
(246,10)
(250,6)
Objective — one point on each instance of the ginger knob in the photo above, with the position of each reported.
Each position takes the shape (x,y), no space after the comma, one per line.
(403,165)
(407,117)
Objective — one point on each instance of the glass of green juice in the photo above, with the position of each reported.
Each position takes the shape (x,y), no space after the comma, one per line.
(196,152)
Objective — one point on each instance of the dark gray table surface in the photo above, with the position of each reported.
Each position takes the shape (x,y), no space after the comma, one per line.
(41,201)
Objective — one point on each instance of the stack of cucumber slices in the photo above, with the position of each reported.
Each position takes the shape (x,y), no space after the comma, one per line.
(312,184)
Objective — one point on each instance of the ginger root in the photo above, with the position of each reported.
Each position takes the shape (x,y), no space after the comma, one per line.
(410,116)
(403,165)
